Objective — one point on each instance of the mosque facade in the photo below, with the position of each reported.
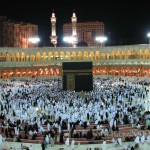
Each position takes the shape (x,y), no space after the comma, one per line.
(128,60)
(131,60)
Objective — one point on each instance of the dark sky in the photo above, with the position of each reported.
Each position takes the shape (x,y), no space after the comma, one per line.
(126,22)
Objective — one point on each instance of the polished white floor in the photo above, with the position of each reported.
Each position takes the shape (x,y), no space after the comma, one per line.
(17,146)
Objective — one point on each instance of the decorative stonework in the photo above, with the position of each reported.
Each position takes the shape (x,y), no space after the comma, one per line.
(133,60)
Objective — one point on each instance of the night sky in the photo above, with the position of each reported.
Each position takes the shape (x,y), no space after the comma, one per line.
(126,22)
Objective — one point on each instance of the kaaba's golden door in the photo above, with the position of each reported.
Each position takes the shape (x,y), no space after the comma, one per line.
(70,81)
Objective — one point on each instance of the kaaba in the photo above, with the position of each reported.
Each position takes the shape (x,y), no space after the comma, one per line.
(77,76)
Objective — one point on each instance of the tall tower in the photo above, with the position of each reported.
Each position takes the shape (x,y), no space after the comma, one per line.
(74,29)
(53,36)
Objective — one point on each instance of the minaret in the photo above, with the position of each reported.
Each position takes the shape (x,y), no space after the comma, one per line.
(74,30)
(53,36)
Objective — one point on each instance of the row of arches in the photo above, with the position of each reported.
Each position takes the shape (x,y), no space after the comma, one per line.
(48,72)
(122,71)
(75,55)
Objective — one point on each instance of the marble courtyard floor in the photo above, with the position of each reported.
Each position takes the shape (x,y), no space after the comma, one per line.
(7,145)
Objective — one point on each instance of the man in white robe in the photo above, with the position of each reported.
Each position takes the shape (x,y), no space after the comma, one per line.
(143,139)
(113,140)
(52,142)
(72,144)
(41,129)
(96,122)
(59,129)
(76,115)
(47,139)
(67,142)
(1,139)
(73,118)
(68,127)
(137,140)
(104,145)
(120,141)
(111,123)
(30,133)
(148,139)
(48,126)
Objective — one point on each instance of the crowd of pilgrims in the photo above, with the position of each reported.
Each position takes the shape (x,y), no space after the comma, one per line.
(30,104)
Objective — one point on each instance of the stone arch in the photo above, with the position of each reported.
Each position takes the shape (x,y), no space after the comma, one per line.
(134,54)
(27,57)
(28,72)
(41,72)
(1,54)
(107,56)
(58,71)
(50,56)
(62,55)
(17,56)
(44,56)
(79,55)
(91,55)
(23,58)
(17,73)
(34,73)
(5,74)
(141,54)
(68,55)
(73,55)
(56,55)
(105,71)
(97,55)
(117,54)
(128,54)
(32,57)
(146,54)
(85,55)
(46,72)
(103,56)
(22,72)
(112,54)
(94,71)
(123,54)
(51,71)
(11,73)
(13,57)
(7,56)
(38,56)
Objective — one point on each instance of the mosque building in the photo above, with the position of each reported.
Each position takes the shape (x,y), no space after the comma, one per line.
(127,60)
